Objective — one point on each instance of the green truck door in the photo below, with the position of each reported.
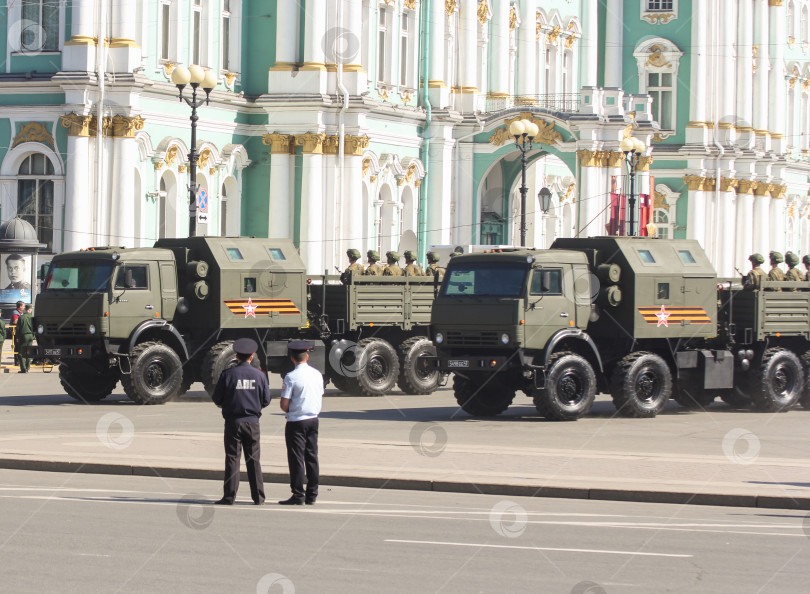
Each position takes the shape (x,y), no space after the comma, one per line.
(137,302)
(550,305)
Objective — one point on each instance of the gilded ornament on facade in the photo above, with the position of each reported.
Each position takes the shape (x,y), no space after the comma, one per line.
(410,171)
(158,165)
(512,18)
(182,168)
(126,127)
(727,184)
(569,192)
(212,170)
(792,81)
(417,183)
(366,166)
(400,179)
(805,85)
(312,142)
(644,163)
(410,4)
(483,12)
(383,92)
(355,145)
(168,68)
(774,2)
(449,6)
(658,18)
(553,35)
(616,158)
(746,186)
(171,155)
(657,59)
(569,41)
(373,179)
(77,125)
(546,135)
(34,132)
(202,160)
(229,78)
(330,145)
(628,131)
(280,144)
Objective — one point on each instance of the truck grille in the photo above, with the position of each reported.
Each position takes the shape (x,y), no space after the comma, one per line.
(482,339)
(66,329)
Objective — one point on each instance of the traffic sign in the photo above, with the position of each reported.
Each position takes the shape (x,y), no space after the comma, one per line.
(202,217)
(202,200)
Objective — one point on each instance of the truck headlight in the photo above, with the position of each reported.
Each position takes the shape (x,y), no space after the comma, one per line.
(439,338)
(505,338)
(92,328)
(40,329)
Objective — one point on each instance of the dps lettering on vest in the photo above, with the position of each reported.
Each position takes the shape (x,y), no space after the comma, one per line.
(247,384)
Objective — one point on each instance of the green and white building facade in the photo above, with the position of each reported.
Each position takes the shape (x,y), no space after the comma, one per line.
(383,124)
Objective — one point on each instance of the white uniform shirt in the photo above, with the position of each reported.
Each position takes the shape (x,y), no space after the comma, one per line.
(304,388)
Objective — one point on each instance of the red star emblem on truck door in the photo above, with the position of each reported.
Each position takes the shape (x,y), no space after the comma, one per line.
(662,317)
(250,309)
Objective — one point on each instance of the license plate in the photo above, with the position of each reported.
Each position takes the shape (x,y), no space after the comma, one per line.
(53,352)
(458,363)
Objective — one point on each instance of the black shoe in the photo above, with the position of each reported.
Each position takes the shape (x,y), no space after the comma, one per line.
(224,501)
(292,501)
(259,502)
(310,501)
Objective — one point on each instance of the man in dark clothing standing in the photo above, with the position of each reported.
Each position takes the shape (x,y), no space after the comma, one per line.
(242,392)
(25,337)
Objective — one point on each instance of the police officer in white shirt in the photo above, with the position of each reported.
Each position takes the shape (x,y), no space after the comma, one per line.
(242,392)
(301,397)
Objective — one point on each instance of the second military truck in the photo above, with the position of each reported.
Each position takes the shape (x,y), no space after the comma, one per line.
(642,319)
(159,319)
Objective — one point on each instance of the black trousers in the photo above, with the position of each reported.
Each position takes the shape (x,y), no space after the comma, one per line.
(238,435)
(302,454)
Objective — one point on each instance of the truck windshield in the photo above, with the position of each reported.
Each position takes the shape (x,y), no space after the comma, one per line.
(477,279)
(81,275)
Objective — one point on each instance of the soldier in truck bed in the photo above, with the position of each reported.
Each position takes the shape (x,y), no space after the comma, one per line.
(793,273)
(776,274)
(753,280)
(393,268)
(433,265)
(806,262)
(411,267)
(373,269)
(354,267)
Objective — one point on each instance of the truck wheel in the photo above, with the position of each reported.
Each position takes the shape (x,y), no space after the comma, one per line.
(378,368)
(689,395)
(218,359)
(87,387)
(570,388)
(780,383)
(482,395)
(641,385)
(418,375)
(342,383)
(156,375)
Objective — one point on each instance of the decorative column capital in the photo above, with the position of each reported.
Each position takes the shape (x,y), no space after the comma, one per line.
(763,189)
(312,142)
(126,127)
(778,192)
(728,184)
(331,144)
(280,144)
(746,186)
(697,183)
(775,2)
(615,158)
(355,145)
(77,125)
(644,163)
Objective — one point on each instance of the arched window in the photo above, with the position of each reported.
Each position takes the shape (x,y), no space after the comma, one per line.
(223,211)
(658,60)
(40,26)
(161,208)
(791,20)
(803,32)
(35,195)
(661,220)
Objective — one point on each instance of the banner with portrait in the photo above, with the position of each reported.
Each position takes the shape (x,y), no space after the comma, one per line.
(15,277)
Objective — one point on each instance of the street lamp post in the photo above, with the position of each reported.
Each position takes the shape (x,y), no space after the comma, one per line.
(633,149)
(197,77)
(524,132)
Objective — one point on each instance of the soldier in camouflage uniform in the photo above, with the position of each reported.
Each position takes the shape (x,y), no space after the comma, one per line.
(433,265)
(792,274)
(753,280)
(354,267)
(411,267)
(393,268)
(454,254)
(806,262)
(775,273)
(373,269)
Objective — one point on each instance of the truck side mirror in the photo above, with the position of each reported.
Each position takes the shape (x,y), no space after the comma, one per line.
(44,270)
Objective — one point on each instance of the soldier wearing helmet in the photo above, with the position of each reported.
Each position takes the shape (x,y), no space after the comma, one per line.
(373,269)
(753,280)
(775,273)
(393,268)
(433,268)
(806,262)
(354,267)
(793,274)
(411,267)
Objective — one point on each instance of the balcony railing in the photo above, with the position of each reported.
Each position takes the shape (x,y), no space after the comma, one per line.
(561,102)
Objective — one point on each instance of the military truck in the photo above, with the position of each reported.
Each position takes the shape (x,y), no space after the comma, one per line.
(642,319)
(159,319)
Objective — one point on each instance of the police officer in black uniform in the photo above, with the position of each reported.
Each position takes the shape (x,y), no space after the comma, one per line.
(242,392)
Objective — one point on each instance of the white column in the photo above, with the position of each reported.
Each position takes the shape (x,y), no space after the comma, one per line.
(745,67)
(762,235)
(587,221)
(78,211)
(527,58)
(778,88)
(122,204)
(589,46)
(125,54)
(614,40)
(437,85)
(727,209)
(440,194)
(468,58)
(279,77)
(312,214)
(354,77)
(282,194)
(777,220)
(762,42)
(354,236)
(696,217)
(465,219)
(312,75)
(499,51)
(745,229)
(698,104)
(79,53)
(728,70)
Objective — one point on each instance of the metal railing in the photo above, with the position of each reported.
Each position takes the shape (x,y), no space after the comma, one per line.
(562,102)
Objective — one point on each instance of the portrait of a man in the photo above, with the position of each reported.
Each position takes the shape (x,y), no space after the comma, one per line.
(17,271)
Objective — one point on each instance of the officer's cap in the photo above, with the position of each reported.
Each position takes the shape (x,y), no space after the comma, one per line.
(791,258)
(353,254)
(410,256)
(756,258)
(432,257)
(806,259)
(245,346)
(776,257)
(299,345)
(373,255)
(392,255)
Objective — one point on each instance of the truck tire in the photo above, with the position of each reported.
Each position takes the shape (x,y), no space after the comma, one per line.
(342,383)
(482,395)
(416,375)
(218,359)
(570,388)
(156,375)
(641,385)
(87,387)
(378,368)
(689,395)
(780,383)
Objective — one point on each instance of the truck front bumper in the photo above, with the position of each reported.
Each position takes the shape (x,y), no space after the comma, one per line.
(82,351)
(447,363)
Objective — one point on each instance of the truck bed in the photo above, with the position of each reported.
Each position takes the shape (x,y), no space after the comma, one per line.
(759,314)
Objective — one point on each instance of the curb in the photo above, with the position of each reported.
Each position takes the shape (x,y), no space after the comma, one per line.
(644,496)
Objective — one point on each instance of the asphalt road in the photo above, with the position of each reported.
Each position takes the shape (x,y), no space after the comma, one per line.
(89,533)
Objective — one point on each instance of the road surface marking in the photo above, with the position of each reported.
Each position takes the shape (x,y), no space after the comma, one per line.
(516,547)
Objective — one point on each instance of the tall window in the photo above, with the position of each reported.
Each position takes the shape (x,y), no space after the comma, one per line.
(382,38)
(803,32)
(791,19)
(659,4)
(661,219)
(196,42)
(223,212)
(226,35)
(659,87)
(550,56)
(35,196)
(161,208)
(165,31)
(40,26)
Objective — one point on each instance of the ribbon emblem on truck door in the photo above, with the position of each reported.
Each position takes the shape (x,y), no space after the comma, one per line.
(248,307)
(664,316)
